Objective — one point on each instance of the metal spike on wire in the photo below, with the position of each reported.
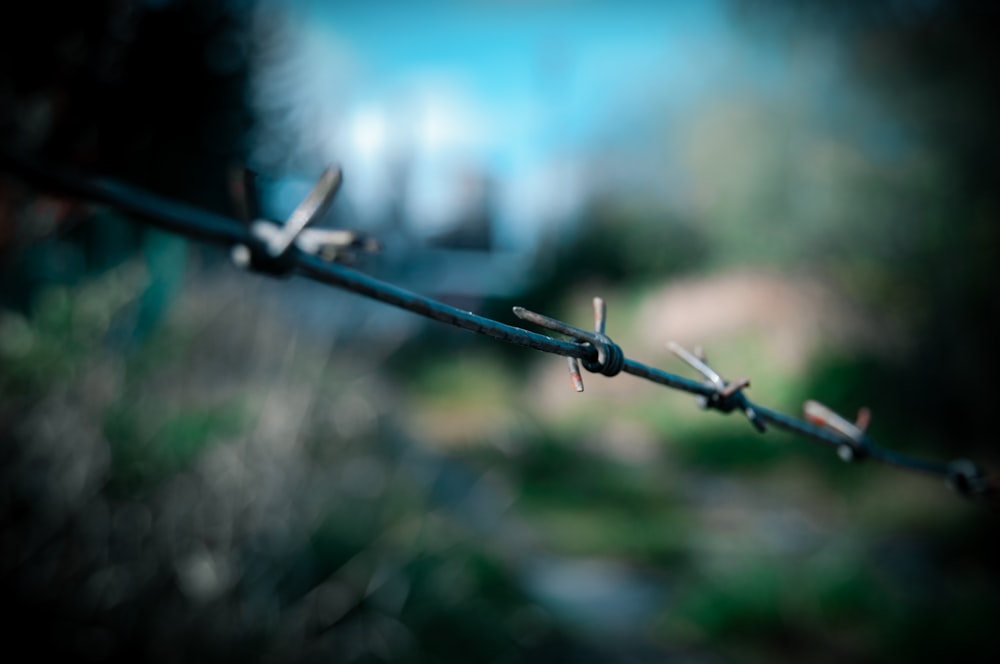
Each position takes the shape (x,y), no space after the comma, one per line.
(297,247)
(727,396)
(610,359)
(273,242)
(853,432)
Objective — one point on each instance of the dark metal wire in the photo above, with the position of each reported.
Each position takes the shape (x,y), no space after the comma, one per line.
(594,349)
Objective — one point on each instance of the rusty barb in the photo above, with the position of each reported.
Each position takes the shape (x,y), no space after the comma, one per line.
(609,360)
(855,442)
(726,396)
(962,475)
(298,247)
(270,250)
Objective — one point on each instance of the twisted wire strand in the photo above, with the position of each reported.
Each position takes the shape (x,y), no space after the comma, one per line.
(962,475)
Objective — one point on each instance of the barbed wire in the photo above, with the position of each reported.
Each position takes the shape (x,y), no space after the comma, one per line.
(297,247)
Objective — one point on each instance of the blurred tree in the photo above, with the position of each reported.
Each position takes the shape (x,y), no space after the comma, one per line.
(931,64)
(152,93)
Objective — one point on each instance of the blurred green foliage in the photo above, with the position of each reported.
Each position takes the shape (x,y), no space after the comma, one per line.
(146,449)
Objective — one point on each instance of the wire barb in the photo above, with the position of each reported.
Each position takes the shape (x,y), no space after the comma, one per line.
(855,444)
(600,316)
(609,360)
(297,252)
(726,396)
(600,319)
(271,245)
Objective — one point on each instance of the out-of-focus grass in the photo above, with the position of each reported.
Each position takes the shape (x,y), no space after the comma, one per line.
(148,446)
(276,505)
(64,332)
(818,610)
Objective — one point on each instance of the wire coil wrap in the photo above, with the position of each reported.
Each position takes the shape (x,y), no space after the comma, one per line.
(610,357)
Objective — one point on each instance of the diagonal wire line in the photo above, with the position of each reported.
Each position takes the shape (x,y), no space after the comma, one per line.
(961,475)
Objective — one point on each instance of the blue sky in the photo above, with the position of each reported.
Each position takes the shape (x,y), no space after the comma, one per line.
(531,94)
